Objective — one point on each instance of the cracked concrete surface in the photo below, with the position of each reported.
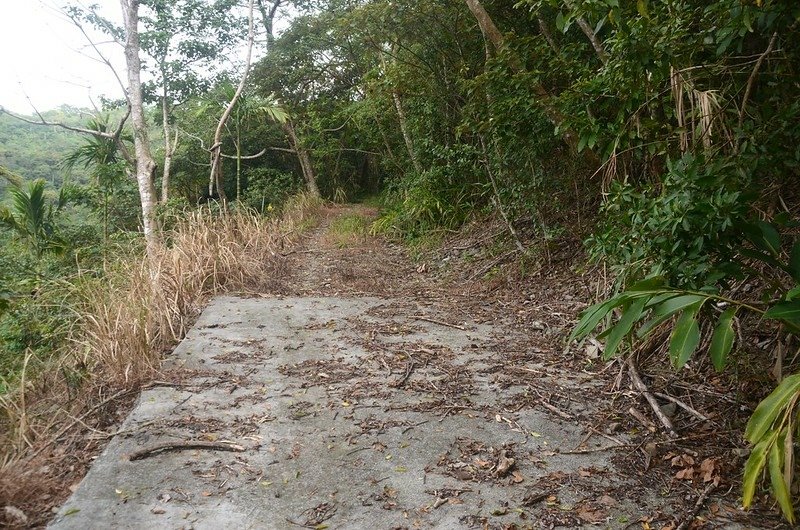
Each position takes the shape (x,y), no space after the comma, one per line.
(352,413)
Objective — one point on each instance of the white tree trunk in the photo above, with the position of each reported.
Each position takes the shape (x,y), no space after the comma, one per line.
(145,164)
(216,146)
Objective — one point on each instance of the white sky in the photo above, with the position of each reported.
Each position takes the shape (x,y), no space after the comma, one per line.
(44,55)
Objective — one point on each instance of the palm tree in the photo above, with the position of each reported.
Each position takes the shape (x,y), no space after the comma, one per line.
(99,155)
(31,217)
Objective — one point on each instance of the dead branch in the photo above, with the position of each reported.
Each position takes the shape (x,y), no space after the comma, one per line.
(684,406)
(751,80)
(641,387)
(439,322)
(697,507)
(78,420)
(184,446)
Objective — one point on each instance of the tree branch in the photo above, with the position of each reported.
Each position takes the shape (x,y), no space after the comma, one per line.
(751,80)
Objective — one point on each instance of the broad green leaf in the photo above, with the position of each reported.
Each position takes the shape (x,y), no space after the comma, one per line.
(648,284)
(794,262)
(667,309)
(752,470)
(623,327)
(686,336)
(779,487)
(789,311)
(770,239)
(722,340)
(769,408)
(641,7)
(560,22)
(594,314)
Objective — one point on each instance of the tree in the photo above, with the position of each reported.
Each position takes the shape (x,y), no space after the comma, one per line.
(145,163)
(216,178)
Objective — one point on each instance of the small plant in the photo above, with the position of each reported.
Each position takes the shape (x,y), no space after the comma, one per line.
(647,304)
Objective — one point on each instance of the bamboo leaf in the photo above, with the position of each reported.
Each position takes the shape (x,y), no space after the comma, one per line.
(667,309)
(623,327)
(767,411)
(794,262)
(722,340)
(779,487)
(594,314)
(686,336)
(752,470)
(789,311)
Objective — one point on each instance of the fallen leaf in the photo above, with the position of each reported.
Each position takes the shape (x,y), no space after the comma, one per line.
(517,477)
(685,474)
(504,464)
(158,511)
(590,515)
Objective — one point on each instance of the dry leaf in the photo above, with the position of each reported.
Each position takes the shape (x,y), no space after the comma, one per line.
(517,477)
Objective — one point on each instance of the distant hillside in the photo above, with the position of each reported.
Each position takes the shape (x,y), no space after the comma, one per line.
(34,151)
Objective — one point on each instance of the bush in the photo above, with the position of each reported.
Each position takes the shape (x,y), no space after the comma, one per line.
(268,188)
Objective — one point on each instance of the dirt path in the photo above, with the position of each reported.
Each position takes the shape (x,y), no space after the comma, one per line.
(370,395)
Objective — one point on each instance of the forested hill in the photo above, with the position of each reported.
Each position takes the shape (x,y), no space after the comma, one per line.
(35,151)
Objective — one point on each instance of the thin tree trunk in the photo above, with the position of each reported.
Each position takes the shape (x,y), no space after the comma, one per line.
(303,157)
(169,149)
(590,34)
(401,117)
(216,176)
(269,18)
(493,35)
(145,164)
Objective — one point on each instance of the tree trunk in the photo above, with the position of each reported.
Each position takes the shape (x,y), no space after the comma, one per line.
(401,117)
(169,147)
(303,157)
(493,35)
(269,18)
(145,164)
(216,147)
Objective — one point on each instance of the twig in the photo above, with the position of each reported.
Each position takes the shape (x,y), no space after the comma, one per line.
(433,321)
(78,420)
(641,387)
(183,446)
(683,405)
(301,525)
(402,381)
(555,410)
(753,76)
(594,450)
(697,507)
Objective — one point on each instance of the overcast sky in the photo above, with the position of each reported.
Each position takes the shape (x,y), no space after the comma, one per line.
(45,56)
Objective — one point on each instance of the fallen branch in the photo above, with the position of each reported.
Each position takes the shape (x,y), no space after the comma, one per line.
(555,410)
(183,446)
(697,507)
(78,420)
(433,321)
(641,387)
(684,406)
(593,450)
(402,381)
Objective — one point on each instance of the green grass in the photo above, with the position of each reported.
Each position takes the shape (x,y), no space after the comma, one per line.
(349,229)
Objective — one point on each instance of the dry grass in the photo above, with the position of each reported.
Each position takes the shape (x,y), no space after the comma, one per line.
(127,319)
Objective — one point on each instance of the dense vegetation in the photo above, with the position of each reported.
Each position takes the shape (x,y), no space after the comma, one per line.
(665,135)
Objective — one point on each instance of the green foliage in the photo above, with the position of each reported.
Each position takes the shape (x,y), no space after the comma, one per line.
(684,228)
(268,188)
(31,216)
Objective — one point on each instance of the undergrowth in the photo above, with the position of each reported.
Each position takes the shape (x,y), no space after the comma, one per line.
(124,318)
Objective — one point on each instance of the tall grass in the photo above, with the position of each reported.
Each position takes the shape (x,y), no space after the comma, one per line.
(127,317)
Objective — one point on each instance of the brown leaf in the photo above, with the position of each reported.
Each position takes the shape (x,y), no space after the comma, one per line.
(517,477)
(590,514)
(504,464)
(685,474)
